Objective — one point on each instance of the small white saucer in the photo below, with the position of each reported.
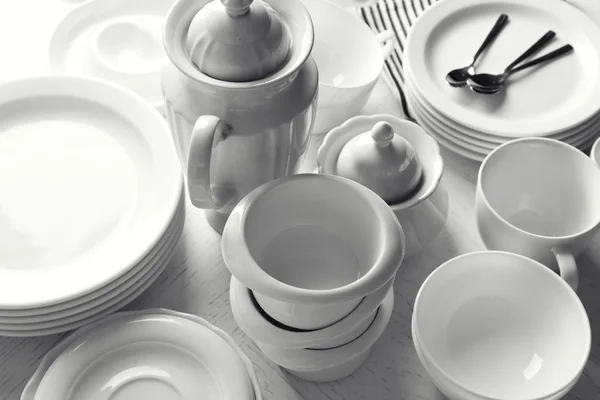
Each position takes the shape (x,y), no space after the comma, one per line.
(119,41)
(153,354)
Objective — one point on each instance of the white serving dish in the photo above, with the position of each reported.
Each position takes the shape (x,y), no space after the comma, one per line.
(350,58)
(111,181)
(263,331)
(308,257)
(480,328)
(233,360)
(424,214)
(324,365)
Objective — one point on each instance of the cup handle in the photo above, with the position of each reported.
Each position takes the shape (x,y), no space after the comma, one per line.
(207,133)
(567,267)
(387,39)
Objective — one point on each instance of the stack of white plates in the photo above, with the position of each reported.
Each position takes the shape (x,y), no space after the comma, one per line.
(558,100)
(151,355)
(91,202)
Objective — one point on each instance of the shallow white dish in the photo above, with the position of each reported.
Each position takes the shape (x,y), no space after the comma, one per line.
(120,41)
(529,106)
(106,292)
(337,363)
(479,326)
(262,330)
(119,295)
(110,178)
(30,389)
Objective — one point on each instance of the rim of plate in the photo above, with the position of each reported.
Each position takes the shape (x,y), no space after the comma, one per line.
(46,287)
(415,61)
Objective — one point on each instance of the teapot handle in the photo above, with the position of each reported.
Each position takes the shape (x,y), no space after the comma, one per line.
(207,133)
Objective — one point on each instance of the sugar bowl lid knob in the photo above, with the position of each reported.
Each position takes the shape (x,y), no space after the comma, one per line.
(237,40)
(383,161)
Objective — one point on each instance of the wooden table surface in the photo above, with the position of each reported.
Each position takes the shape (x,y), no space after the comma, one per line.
(197,280)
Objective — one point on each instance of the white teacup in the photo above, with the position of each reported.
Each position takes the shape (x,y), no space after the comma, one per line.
(498,325)
(540,198)
(311,247)
(350,58)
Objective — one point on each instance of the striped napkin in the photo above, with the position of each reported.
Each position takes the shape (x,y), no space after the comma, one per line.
(400,15)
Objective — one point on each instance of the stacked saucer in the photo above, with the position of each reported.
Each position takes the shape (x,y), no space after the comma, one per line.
(92,202)
(162,354)
(558,100)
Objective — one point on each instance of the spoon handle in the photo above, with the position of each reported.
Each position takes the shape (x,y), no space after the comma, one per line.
(496,29)
(550,56)
(537,46)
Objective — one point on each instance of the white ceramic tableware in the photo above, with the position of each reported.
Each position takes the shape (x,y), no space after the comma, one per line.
(529,106)
(234,134)
(454,392)
(115,40)
(540,198)
(422,215)
(350,58)
(32,386)
(110,179)
(264,330)
(324,365)
(312,246)
(479,326)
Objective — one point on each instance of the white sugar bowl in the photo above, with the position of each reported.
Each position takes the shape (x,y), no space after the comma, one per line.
(396,159)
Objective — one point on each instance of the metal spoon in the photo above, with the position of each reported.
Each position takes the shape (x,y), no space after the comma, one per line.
(458,77)
(474,80)
(490,84)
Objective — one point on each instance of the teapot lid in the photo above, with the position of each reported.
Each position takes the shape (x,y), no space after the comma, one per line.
(238,40)
(383,161)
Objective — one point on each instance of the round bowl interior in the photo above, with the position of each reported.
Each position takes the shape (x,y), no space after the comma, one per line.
(542,186)
(308,233)
(480,326)
(595,153)
(345,50)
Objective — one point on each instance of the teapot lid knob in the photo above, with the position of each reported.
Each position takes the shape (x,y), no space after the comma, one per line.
(382,133)
(237,7)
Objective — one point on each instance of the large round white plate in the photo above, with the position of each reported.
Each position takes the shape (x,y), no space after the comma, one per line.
(151,357)
(114,304)
(460,137)
(90,182)
(490,140)
(553,98)
(77,310)
(116,40)
(31,386)
(43,313)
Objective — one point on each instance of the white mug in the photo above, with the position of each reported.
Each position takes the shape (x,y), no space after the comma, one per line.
(540,198)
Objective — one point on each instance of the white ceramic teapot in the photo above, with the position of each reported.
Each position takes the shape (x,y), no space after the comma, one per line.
(240,95)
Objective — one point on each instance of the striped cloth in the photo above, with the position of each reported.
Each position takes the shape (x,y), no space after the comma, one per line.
(398,16)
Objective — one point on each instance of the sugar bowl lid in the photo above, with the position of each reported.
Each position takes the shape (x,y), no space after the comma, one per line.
(383,161)
(238,40)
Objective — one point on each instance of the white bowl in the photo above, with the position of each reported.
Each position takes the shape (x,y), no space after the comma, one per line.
(350,58)
(308,257)
(480,327)
(595,152)
(324,365)
(423,216)
(267,332)
(453,392)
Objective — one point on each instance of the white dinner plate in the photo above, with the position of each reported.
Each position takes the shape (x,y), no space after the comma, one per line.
(90,180)
(553,98)
(488,140)
(116,40)
(113,305)
(31,386)
(42,313)
(150,357)
(76,309)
